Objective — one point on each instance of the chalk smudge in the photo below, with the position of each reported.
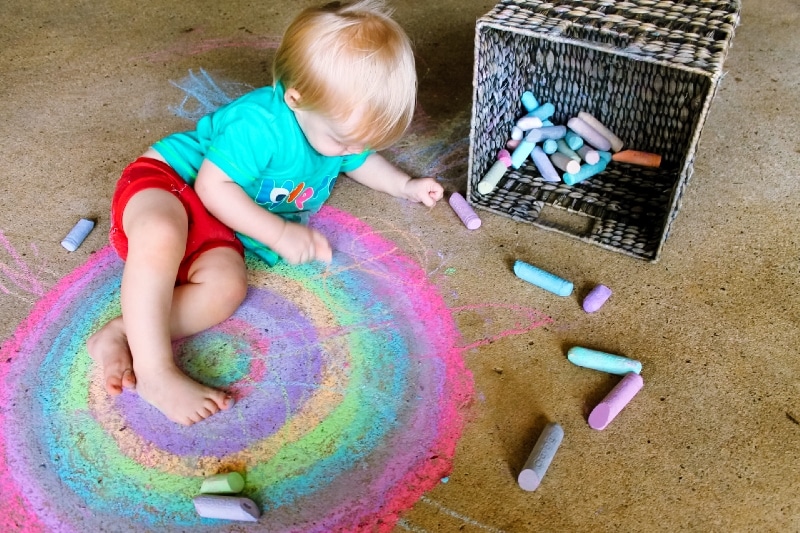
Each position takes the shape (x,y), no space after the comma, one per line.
(20,274)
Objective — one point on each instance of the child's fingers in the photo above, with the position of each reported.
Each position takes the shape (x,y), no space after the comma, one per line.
(322,248)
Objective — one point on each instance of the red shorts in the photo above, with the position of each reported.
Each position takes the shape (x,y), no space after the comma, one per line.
(205,231)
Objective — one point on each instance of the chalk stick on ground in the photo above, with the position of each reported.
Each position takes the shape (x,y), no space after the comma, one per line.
(228,483)
(464,211)
(226,507)
(77,234)
(541,456)
(602,361)
(616,400)
(596,298)
(542,279)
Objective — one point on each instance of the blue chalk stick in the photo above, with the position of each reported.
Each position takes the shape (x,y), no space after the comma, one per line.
(521,153)
(542,278)
(587,171)
(574,141)
(549,146)
(546,132)
(543,112)
(529,102)
(602,361)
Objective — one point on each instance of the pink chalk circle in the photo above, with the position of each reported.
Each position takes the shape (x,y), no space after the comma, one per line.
(596,298)
(467,215)
(616,400)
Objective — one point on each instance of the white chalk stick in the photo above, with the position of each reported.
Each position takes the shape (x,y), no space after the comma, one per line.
(227,507)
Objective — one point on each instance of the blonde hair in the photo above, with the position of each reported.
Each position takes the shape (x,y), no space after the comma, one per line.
(342,56)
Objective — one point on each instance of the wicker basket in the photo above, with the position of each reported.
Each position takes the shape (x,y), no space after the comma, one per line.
(646,69)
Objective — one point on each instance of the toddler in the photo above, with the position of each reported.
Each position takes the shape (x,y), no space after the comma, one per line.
(248,177)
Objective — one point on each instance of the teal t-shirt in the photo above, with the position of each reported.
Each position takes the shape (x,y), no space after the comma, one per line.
(258,143)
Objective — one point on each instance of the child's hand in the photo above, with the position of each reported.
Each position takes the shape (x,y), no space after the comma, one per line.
(300,244)
(425,190)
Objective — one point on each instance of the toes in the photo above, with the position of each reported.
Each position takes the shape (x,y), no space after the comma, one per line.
(128,379)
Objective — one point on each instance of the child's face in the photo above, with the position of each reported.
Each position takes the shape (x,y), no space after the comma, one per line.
(325,135)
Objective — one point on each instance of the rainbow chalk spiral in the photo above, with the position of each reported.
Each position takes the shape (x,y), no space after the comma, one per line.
(350,391)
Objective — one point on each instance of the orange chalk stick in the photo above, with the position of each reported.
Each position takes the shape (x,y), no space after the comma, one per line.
(635,157)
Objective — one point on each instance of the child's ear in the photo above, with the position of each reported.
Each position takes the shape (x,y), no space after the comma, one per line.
(292,98)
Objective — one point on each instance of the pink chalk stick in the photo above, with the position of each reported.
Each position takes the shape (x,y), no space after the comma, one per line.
(504,157)
(615,401)
(464,211)
(596,298)
(589,134)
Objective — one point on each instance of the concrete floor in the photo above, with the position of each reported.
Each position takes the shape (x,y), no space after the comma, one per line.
(712,442)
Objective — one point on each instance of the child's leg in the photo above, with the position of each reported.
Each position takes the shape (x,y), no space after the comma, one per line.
(155,311)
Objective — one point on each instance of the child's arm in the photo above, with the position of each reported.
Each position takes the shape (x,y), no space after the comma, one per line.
(377,173)
(227,201)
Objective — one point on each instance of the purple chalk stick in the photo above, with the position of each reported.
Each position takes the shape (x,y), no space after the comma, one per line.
(615,401)
(596,298)
(464,211)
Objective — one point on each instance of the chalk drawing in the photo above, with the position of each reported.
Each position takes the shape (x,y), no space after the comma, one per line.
(19,275)
(350,390)
(203,94)
(459,516)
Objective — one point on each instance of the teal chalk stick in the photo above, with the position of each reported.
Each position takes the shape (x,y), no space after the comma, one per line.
(587,171)
(529,102)
(542,279)
(602,361)
(543,112)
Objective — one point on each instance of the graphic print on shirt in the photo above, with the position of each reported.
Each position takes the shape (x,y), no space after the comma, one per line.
(271,195)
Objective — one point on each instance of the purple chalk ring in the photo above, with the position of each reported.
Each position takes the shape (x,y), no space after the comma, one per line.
(596,298)
(616,400)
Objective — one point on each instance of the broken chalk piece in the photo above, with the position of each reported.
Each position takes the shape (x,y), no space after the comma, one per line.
(541,456)
(542,278)
(77,234)
(596,298)
(615,401)
(226,507)
(543,112)
(602,361)
(228,483)
(546,132)
(549,146)
(573,140)
(527,123)
(616,142)
(464,211)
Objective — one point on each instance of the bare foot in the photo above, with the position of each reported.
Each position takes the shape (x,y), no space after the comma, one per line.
(178,396)
(109,348)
